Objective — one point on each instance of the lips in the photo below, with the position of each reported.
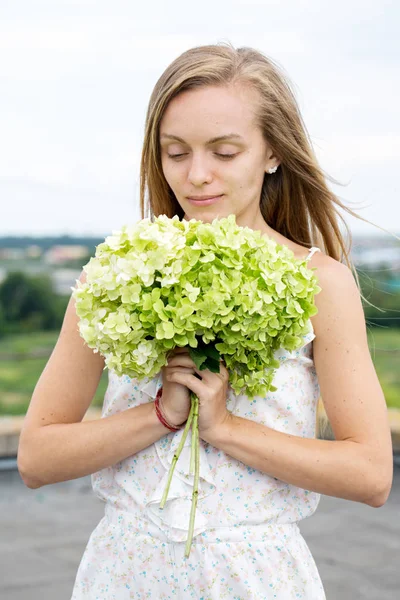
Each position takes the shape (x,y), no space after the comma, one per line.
(205,201)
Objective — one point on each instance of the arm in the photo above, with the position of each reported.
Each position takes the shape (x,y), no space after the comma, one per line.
(54,444)
(358,465)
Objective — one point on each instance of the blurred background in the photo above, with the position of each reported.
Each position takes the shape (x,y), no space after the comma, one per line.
(76,79)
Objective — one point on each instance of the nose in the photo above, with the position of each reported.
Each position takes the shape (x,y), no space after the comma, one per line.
(199,171)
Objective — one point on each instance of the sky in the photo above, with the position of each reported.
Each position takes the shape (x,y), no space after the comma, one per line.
(76,77)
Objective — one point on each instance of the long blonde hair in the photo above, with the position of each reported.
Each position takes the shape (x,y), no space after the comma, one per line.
(299,180)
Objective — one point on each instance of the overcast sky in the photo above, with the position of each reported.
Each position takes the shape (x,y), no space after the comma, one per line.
(76,77)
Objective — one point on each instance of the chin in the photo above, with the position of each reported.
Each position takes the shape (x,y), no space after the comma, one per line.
(204,216)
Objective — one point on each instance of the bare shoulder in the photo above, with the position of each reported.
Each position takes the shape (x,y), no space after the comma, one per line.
(330,272)
(339,301)
(339,290)
(339,298)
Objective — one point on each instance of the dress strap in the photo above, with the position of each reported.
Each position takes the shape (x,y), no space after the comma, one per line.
(312,251)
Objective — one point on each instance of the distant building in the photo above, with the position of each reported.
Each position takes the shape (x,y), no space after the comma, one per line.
(33,252)
(12,253)
(377,256)
(60,254)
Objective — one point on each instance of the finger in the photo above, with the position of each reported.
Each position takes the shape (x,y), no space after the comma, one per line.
(183,360)
(190,381)
(178,350)
(187,370)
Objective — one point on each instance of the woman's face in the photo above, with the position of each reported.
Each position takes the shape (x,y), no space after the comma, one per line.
(212,147)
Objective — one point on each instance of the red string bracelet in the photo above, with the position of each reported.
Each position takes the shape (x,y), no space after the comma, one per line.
(159,414)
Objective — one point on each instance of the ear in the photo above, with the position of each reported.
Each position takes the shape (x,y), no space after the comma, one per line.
(272,161)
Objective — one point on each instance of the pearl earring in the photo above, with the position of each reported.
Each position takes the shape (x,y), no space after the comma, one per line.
(272,170)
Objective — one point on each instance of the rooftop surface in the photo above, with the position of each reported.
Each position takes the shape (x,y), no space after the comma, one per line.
(44,533)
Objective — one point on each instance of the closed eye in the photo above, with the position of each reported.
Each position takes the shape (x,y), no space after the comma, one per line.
(175,155)
(226,155)
(223,156)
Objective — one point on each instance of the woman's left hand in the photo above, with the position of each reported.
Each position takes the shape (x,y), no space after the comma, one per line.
(211,390)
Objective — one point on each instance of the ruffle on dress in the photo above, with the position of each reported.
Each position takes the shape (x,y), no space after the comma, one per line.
(173,519)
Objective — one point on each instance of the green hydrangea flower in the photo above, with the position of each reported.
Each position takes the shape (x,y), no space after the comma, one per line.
(220,289)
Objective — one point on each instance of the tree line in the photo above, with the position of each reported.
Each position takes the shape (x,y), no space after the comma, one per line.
(45,243)
(29,303)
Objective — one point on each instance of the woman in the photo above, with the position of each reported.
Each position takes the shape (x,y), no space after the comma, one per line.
(223,135)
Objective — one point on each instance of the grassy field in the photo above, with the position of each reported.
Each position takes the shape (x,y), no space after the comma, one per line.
(19,372)
(384,345)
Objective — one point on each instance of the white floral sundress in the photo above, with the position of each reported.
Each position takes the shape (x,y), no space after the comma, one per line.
(247,544)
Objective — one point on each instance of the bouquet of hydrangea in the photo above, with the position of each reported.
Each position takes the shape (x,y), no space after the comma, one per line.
(227,292)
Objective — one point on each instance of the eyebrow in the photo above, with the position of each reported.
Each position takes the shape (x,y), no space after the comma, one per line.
(220,138)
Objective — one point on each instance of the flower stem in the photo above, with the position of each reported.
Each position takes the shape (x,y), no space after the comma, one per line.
(177,454)
(193,446)
(195,495)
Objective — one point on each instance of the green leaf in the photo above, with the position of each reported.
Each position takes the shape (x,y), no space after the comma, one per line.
(198,357)
(211,364)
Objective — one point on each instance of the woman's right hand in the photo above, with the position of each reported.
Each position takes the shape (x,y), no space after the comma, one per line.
(175,400)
